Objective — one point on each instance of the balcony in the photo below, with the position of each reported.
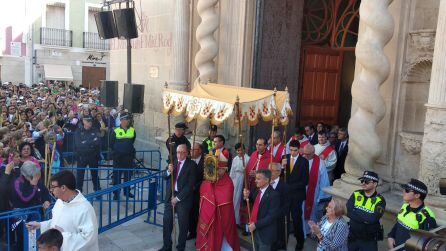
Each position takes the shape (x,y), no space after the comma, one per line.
(56,37)
(92,41)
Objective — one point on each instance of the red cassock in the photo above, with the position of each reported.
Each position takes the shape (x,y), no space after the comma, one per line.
(216,218)
(256,164)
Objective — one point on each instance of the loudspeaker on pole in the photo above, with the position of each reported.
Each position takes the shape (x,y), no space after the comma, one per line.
(105,24)
(134,98)
(126,23)
(109,93)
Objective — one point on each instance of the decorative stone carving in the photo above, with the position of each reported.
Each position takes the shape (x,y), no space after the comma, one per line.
(378,30)
(204,60)
(411,142)
(419,56)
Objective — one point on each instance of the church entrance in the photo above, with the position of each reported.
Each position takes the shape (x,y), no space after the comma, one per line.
(329,34)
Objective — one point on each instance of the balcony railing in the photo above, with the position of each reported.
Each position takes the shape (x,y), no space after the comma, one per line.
(57,37)
(92,41)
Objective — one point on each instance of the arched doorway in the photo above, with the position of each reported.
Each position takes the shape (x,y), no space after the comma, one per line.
(329,36)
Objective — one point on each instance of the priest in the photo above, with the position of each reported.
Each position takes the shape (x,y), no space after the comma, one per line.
(258,160)
(216,228)
(278,147)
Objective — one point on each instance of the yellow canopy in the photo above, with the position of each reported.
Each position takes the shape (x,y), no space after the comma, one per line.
(217,102)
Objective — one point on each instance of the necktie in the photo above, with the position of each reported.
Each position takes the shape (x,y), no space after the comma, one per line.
(177,171)
(255,207)
(292,164)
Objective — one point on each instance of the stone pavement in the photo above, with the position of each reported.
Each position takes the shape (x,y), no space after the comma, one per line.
(139,235)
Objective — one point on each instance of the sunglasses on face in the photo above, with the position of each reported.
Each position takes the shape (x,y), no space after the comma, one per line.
(366,182)
(408,190)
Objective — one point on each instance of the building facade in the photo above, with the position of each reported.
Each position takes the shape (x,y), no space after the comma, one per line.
(339,64)
(59,40)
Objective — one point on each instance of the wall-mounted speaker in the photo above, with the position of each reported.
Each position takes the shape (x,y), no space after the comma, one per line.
(126,23)
(106,24)
(134,98)
(109,93)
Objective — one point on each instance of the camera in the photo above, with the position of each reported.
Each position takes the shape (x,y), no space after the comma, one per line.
(426,241)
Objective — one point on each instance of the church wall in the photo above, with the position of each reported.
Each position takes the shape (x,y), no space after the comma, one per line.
(151,59)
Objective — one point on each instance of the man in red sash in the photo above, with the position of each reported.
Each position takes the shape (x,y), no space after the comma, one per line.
(223,155)
(216,221)
(278,147)
(258,160)
(300,136)
(315,199)
(326,153)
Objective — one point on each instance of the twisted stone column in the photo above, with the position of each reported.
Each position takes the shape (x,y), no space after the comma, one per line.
(433,157)
(180,46)
(364,145)
(204,60)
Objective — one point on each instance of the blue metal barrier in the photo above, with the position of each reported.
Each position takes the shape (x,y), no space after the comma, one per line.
(110,213)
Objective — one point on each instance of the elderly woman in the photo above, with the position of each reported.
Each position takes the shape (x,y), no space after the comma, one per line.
(332,230)
(24,191)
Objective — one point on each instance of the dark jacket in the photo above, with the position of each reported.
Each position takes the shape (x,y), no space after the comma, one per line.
(314,139)
(87,142)
(199,174)
(365,225)
(341,155)
(122,146)
(177,141)
(297,180)
(185,182)
(269,211)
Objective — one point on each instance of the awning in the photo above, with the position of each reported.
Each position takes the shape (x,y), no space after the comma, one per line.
(58,72)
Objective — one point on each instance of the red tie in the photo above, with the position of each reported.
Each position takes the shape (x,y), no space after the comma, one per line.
(177,170)
(255,207)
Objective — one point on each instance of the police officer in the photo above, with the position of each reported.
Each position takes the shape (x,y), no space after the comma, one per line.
(121,142)
(413,214)
(87,146)
(208,143)
(365,208)
(178,138)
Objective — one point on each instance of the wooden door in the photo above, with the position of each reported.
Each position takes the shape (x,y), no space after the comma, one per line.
(320,85)
(92,76)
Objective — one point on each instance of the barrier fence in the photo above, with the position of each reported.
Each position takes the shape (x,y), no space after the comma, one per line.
(147,185)
(110,212)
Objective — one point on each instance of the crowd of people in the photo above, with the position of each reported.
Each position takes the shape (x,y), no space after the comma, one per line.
(39,123)
(278,190)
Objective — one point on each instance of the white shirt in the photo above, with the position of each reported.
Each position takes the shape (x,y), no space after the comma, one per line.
(275,183)
(78,220)
(180,166)
(262,192)
(197,160)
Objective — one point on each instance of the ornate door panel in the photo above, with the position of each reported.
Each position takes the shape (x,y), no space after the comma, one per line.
(320,85)
(92,76)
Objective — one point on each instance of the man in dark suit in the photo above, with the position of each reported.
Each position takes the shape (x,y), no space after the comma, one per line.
(296,176)
(310,131)
(341,152)
(264,212)
(184,173)
(282,189)
(196,154)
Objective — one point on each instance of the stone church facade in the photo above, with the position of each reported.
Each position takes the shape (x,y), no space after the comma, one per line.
(397,81)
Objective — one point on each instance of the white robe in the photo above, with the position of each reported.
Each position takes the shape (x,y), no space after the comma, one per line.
(78,220)
(330,160)
(236,174)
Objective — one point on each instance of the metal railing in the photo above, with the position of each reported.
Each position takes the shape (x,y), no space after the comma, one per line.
(110,212)
(56,37)
(93,41)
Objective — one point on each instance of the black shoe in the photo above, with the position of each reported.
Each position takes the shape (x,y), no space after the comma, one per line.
(191,236)
(165,249)
(115,196)
(130,195)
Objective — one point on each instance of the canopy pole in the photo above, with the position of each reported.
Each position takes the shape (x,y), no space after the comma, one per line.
(172,187)
(239,119)
(284,177)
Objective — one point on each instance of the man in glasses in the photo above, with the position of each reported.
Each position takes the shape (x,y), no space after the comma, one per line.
(365,209)
(413,214)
